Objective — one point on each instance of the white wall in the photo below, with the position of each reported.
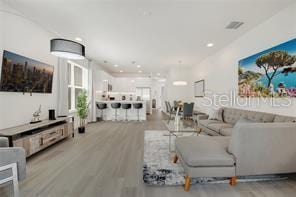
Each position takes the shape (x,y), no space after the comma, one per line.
(129,84)
(102,78)
(24,37)
(220,70)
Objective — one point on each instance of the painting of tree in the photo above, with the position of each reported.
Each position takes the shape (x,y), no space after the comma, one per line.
(270,73)
(273,61)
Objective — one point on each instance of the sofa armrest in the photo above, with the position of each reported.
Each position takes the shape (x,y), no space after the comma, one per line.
(4,142)
(14,155)
(264,148)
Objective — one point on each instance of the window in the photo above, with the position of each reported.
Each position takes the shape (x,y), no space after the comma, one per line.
(77,81)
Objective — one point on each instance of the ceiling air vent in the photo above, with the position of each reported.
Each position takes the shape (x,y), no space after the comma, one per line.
(234,25)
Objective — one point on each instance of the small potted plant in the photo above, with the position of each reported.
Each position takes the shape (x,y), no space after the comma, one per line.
(82,110)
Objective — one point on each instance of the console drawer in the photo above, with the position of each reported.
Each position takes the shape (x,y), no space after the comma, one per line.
(57,131)
(51,136)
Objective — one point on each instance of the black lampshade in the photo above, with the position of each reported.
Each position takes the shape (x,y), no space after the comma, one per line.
(67,49)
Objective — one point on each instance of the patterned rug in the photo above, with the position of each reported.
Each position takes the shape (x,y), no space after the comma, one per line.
(158,168)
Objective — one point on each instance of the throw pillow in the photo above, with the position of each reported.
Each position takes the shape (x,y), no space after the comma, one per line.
(216,114)
(236,126)
(220,114)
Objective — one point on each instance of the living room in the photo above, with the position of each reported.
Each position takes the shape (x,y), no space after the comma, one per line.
(150,98)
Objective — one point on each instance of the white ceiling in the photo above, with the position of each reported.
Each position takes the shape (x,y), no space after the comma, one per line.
(155,34)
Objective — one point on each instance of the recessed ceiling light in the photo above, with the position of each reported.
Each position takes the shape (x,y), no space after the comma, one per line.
(115,65)
(158,74)
(138,66)
(133,81)
(78,39)
(121,71)
(210,44)
(140,71)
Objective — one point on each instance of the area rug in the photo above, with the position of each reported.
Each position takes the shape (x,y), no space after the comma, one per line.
(158,168)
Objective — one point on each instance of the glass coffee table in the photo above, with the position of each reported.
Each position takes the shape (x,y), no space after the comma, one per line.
(185,128)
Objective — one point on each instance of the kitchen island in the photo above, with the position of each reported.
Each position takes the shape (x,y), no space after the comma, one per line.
(132,114)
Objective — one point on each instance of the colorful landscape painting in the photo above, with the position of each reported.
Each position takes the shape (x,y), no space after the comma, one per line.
(271,73)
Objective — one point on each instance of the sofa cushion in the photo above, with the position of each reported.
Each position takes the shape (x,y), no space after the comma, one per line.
(232,115)
(218,126)
(226,131)
(205,123)
(279,118)
(236,126)
(204,151)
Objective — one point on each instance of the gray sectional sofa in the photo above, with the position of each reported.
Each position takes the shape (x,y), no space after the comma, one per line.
(10,155)
(255,144)
(228,117)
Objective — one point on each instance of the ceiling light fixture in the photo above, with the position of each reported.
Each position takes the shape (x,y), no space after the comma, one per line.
(138,66)
(67,49)
(133,81)
(115,65)
(121,71)
(180,82)
(158,74)
(210,44)
(140,71)
(78,39)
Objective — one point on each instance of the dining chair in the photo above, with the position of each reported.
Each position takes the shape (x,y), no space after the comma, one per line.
(171,110)
(188,110)
(176,105)
(167,107)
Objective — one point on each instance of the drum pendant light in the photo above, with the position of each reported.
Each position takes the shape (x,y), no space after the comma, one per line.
(67,49)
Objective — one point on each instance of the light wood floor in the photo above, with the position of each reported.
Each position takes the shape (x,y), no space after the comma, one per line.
(107,162)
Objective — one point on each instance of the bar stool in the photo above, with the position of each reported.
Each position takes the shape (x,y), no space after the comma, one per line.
(102,106)
(126,106)
(116,106)
(138,106)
